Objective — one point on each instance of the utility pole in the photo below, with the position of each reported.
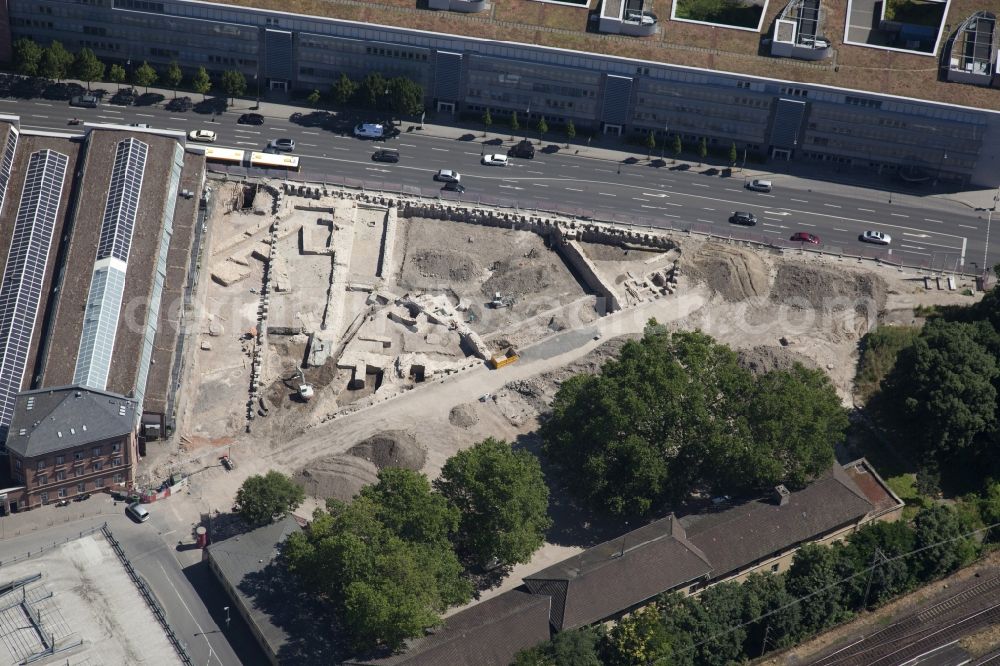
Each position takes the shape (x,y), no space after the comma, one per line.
(878,559)
(226,608)
(763,643)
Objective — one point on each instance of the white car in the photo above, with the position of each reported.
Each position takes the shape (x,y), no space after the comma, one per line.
(495,160)
(447,176)
(876,237)
(204,136)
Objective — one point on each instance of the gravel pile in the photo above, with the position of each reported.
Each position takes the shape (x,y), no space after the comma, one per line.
(464,415)
(392,448)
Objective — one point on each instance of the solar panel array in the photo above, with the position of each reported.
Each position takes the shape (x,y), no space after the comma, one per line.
(123,200)
(24,272)
(7,162)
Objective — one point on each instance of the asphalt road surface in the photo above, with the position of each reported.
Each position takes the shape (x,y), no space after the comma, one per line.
(925,231)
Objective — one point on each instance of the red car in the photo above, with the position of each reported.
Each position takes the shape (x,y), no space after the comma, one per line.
(803,237)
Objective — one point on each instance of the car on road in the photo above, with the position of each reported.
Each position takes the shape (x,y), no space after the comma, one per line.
(287,145)
(179,104)
(386,155)
(524,149)
(746,219)
(454,187)
(448,176)
(876,237)
(758,185)
(202,135)
(141,125)
(251,119)
(370,131)
(85,101)
(495,160)
(137,512)
(803,237)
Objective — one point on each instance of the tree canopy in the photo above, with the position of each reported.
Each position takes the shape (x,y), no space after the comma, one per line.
(145,75)
(201,82)
(406,97)
(675,412)
(55,61)
(344,90)
(87,67)
(233,83)
(173,75)
(27,56)
(264,498)
(502,499)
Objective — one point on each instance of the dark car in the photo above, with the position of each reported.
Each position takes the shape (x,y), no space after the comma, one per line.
(179,104)
(386,155)
(746,219)
(524,149)
(86,101)
(251,119)
(803,237)
(454,187)
(123,97)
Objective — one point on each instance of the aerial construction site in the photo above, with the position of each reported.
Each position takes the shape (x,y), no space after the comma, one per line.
(344,331)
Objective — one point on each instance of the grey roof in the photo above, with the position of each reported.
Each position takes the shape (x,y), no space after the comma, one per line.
(489,633)
(54,419)
(734,538)
(618,574)
(247,554)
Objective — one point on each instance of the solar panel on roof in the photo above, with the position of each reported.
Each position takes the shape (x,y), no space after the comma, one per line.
(123,200)
(24,273)
(7,162)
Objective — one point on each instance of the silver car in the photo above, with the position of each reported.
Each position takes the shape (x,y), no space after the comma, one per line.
(448,176)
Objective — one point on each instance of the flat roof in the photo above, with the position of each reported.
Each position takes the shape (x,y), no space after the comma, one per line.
(706,47)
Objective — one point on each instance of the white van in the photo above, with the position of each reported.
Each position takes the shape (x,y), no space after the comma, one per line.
(369,131)
(138,512)
(759,185)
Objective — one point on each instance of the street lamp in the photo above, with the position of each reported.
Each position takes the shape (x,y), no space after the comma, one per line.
(226,608)
(527,121)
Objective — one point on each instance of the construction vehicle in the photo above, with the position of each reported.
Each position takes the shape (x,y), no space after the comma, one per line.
(509,356)
(305,389)
(498,301)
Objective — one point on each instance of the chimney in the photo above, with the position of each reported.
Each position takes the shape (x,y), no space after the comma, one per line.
(781,494)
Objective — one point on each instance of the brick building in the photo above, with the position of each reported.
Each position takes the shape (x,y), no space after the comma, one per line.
(67,441)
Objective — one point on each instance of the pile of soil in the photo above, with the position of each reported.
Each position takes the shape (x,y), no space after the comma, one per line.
(464,415)
(763,359)
(453,266)
(801,286)
(737,275)
(391,448)
(341,477)
(516,280)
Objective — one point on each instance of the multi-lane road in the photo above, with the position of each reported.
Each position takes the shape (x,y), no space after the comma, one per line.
(925,230)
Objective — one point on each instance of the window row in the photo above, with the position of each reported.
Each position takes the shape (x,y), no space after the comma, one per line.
(95,452)
(82,487)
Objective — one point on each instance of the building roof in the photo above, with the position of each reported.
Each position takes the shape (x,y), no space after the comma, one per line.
(489,633)
(241,556)
(56,419)
(618,574)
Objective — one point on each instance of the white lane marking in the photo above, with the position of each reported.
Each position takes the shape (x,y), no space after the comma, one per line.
(605,194)
(777,212)
(468,153)
(311,145)
(145,115)
(913,247)
(928,219)
(867,210)
(774,219)
(800,200)
(837,229)
(730,189)
(669,215)
(510,187)
(441,150)
(805,224)
(37,116)
(604,170)
(407,145)
(238,130)
(708,221)
(926,254)
(761,194)
(776,226)
(312,133)
(343,149)
(966,226)
(41,104)
(917,235)
(699,184)
(658,195)
(831,205)
(245,143)
(711,209)
(537,173)
(183,119)
(539,185)
(573,189)
(639,199)
(898,215)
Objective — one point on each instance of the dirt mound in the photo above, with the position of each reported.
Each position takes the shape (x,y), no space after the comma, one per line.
(451,265)
(763,359)
(464,415)
(392,448)
(516,280)
(736,274)
(803,286)
(340,476)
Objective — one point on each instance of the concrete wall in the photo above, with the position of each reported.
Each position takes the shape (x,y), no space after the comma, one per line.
(573,254)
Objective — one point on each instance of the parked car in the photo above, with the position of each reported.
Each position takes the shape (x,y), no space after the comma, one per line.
(803,237)
(85,101)
(876,237)
(204,136)
(454,187)
(495,160)
(287,145)
(758,185)
(448,176)
(141,125)
(251,119)
(369,131)
(137,512)
(746,219)
(524,149)
(228,463)
(386,155)
(123,97)
(179,104)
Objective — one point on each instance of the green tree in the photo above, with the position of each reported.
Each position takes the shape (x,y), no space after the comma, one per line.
(514,124)
(201,82)
(487,121)
(797,420)
(27,56)
(173,76)
(542,128)
(702,149)
(87,67)
(406,505)
(570,132)
(385,589)
(145,75)
(313,98)
(943,388)
(373,90)
(879,350)
(502,499)
(640,638)
(678,146)
(772,619)
(879,545)
(55,62)
(344,90)
(117,75)
(406,97)
(650,143)
(815,577)
(576,647)
(264,498)
(733,155)
(720,636)
(234,84)
(942,548)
